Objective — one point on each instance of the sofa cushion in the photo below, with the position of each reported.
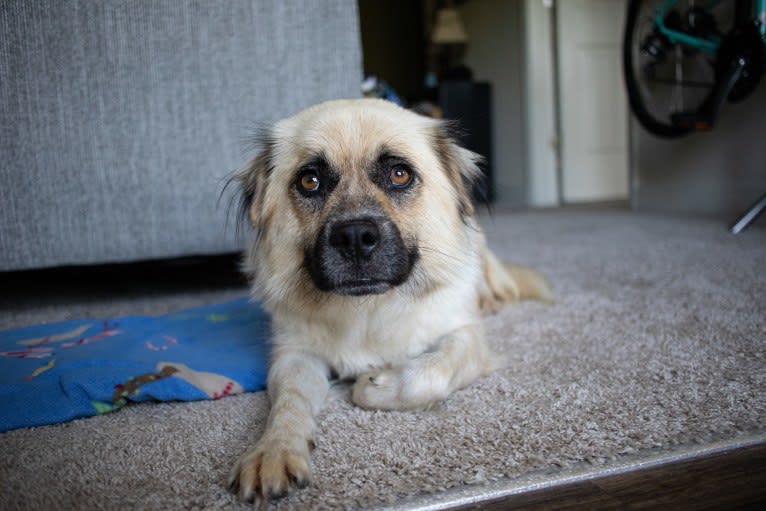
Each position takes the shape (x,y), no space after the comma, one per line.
(121,120)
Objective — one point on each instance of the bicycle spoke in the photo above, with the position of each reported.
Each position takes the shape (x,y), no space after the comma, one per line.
(665,75)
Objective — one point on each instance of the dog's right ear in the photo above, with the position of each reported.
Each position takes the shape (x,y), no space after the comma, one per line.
(252,180)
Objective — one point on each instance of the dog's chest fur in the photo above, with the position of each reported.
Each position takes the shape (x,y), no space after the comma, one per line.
(354,335)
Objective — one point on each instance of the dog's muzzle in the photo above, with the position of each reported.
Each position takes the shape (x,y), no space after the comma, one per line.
(359,256)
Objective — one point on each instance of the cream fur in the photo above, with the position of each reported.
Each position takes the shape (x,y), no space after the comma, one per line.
(407,347)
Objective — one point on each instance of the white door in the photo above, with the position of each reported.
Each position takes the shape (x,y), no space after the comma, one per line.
(594,111)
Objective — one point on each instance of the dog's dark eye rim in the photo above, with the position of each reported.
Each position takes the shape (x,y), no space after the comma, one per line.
(308,180)
(400,176)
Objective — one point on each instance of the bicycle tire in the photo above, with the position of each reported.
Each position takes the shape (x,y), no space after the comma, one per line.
(636,100)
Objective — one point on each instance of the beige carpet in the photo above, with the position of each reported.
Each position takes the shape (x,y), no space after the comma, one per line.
(658,340)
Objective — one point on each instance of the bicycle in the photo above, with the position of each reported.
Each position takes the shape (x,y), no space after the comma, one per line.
(682,60)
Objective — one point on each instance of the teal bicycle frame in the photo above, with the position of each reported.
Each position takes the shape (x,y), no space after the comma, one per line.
(711,45)
(761,10)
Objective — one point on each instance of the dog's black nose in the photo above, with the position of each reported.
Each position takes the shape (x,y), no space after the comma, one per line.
(355,239)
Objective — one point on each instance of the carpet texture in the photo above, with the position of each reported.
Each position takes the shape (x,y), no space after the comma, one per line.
(657,340)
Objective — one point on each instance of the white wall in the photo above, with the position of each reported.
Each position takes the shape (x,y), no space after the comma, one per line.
(539,104)
(593,102)
(512,46)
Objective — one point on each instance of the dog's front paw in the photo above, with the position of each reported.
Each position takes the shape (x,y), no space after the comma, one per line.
(379,390)
(270,469)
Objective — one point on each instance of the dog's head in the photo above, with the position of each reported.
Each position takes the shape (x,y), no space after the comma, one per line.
(355,198)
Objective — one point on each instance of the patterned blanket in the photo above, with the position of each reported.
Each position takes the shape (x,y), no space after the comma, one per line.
(56,372)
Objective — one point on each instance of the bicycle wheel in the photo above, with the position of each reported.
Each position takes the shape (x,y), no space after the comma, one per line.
(666,81)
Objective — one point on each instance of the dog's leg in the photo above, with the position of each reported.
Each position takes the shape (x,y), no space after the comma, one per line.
(297,385)
(460,357)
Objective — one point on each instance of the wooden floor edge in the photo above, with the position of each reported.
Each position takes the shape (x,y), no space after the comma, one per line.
(600,487)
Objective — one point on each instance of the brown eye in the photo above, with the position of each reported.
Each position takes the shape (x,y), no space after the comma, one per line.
(309,182)
(400,176)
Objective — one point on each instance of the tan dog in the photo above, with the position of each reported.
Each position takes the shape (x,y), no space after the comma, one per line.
(369,259)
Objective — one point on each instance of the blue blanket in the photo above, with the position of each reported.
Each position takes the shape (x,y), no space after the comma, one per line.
(60,371)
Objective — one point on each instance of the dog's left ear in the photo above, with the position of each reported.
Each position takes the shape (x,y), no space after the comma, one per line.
(460,164)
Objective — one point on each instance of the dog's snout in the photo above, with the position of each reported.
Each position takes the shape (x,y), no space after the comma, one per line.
(359,255)
(356,239)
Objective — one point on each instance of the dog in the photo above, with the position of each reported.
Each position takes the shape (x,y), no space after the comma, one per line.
(368,257)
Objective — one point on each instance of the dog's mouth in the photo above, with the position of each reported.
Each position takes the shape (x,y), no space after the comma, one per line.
(360,255)
(362,287)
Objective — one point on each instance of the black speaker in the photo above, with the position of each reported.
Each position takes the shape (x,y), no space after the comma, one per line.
(469,103)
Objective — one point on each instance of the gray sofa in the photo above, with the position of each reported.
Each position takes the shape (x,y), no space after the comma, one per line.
(121,120)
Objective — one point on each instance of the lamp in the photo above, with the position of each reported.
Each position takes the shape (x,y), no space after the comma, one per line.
(448,28)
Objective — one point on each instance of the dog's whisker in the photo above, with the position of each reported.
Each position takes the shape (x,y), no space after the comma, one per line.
(425,248)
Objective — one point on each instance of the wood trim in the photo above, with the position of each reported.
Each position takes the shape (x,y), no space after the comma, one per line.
(726,480)
(725,474)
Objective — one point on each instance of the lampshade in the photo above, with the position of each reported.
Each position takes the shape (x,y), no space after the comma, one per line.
(448,29)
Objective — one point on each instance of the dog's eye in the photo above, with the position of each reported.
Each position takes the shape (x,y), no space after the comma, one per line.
(400,176)
(308,182)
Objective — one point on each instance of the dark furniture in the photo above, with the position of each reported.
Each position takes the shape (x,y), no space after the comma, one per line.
(469,103)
